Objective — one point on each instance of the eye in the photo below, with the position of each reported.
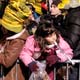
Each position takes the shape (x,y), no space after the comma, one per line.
(54,33)
(53,6)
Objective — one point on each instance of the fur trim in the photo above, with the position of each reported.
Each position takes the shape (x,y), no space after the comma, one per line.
(16,35)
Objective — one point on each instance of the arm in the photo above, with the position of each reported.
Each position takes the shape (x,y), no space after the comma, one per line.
(65,52)
(27,51)
(11,52)
(73,31)
(73,34)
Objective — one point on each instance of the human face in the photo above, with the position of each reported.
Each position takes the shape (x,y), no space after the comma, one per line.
(54,10)
(51,39)
(31,17)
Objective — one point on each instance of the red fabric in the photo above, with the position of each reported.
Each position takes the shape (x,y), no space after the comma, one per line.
(43,5)
(51,75)
(52,57)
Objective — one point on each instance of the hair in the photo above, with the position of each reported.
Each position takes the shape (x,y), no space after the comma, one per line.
(32,24)
(31,7)
(46,17)
(56,2)
(44,29)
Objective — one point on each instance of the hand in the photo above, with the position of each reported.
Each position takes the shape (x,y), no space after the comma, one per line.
(52,59)
(33,66)
(56,45)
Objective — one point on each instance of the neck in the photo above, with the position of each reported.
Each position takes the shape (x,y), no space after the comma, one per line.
(59,13)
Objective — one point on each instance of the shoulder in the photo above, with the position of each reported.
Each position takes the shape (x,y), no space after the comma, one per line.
(30,38)
(62,42)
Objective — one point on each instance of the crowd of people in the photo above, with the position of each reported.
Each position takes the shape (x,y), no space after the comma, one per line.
(33,32)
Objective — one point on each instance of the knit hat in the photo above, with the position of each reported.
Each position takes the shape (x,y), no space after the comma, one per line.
(14,16)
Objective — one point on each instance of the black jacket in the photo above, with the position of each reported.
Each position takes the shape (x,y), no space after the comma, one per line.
(58,22)
(72,27)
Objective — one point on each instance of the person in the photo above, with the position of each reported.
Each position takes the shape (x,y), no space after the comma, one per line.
(36,4)
(45,45)
(35,14)
(11,45)
(13,39)
(67,25)
(58,14)
(72,27)
(72,34)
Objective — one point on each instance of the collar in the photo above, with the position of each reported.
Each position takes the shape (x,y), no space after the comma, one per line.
(16,35)
(52,45)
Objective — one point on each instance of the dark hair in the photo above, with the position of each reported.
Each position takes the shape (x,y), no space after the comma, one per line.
(46,17)
(56,2)
(31,25)
(31,7)
(44,29)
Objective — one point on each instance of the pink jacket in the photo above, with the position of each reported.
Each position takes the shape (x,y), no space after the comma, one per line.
(28,50)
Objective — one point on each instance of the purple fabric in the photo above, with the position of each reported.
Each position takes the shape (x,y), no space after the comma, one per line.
(33,66)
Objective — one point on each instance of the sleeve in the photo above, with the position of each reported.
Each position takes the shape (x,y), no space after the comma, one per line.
(65,52)
(11,52)
(27,52)
(73,31)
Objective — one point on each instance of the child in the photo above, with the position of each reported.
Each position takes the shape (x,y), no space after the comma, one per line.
(35,14)
(58,16)
(46,44)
